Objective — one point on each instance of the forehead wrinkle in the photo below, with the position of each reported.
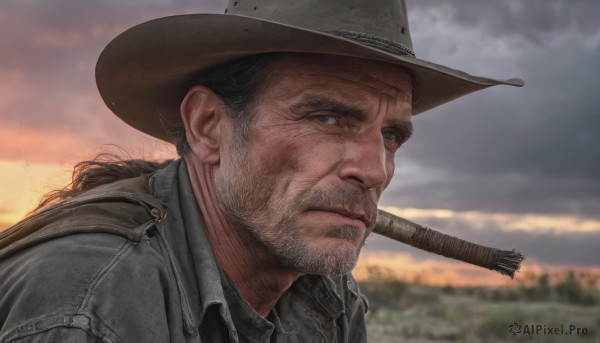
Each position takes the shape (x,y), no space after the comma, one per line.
(384,87)
(363,81)
(391,78)
(346,76)
(381,76)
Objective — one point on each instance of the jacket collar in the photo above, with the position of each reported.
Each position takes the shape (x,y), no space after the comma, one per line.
(195,267)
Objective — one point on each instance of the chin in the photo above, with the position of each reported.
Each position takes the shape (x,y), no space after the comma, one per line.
(335,258)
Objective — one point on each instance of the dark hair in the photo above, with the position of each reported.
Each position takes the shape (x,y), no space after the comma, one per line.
(237,83)
(103,169)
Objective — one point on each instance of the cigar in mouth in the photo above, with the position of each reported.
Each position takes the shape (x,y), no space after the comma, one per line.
(505,262)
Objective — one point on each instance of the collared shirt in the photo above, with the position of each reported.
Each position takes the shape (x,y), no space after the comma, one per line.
(166,286)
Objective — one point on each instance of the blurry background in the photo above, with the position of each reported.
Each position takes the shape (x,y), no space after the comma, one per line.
(506,167)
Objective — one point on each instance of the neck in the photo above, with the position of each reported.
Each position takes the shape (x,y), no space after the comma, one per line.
(258,275)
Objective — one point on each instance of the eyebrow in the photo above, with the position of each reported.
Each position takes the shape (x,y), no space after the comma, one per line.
(328,104)
(404,127)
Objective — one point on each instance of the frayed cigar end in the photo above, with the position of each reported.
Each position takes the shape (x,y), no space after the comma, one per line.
(504,262)
(508,262)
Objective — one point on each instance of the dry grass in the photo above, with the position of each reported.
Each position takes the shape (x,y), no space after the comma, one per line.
(402,312)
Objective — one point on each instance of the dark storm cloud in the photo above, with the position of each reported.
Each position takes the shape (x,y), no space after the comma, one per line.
(73,15)
(535,149)
(49,50)
(537,20)
(86,26)
(574,248)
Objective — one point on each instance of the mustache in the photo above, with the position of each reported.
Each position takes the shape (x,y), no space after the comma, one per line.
(348,199)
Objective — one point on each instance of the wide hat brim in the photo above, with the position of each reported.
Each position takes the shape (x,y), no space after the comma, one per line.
(144,73)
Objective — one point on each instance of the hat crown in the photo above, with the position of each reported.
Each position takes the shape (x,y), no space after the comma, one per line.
(382,24)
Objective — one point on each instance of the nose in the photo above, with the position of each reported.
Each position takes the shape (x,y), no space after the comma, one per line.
(364,163)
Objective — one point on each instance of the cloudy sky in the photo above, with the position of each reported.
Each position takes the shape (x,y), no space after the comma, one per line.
(506,167)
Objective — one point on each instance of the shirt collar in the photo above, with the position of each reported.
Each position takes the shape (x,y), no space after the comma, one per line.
(251,326)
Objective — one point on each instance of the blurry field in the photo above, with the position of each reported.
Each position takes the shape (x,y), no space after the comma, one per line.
(409,312)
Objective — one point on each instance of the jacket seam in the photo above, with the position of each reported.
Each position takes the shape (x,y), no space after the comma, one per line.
(170,263)
(106,228)
(101,273)
(36,326)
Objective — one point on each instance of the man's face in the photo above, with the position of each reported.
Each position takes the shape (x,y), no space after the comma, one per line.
(320,152)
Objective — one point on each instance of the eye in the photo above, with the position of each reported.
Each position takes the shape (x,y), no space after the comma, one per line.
(393,139)
(392,136)
(326,119)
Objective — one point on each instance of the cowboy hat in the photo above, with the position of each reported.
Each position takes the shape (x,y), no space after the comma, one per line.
(144,73)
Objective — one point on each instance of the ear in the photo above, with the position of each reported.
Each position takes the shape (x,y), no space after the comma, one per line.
(203,116)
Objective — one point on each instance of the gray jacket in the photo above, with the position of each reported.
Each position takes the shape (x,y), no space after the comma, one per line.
(129,262)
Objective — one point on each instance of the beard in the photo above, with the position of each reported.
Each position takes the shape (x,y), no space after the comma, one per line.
(244,193)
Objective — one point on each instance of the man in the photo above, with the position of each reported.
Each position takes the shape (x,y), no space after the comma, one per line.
(287,116)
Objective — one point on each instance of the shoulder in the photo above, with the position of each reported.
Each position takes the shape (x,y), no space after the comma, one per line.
(74,281)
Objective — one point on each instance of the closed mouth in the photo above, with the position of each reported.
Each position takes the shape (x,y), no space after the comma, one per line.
(360,215)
